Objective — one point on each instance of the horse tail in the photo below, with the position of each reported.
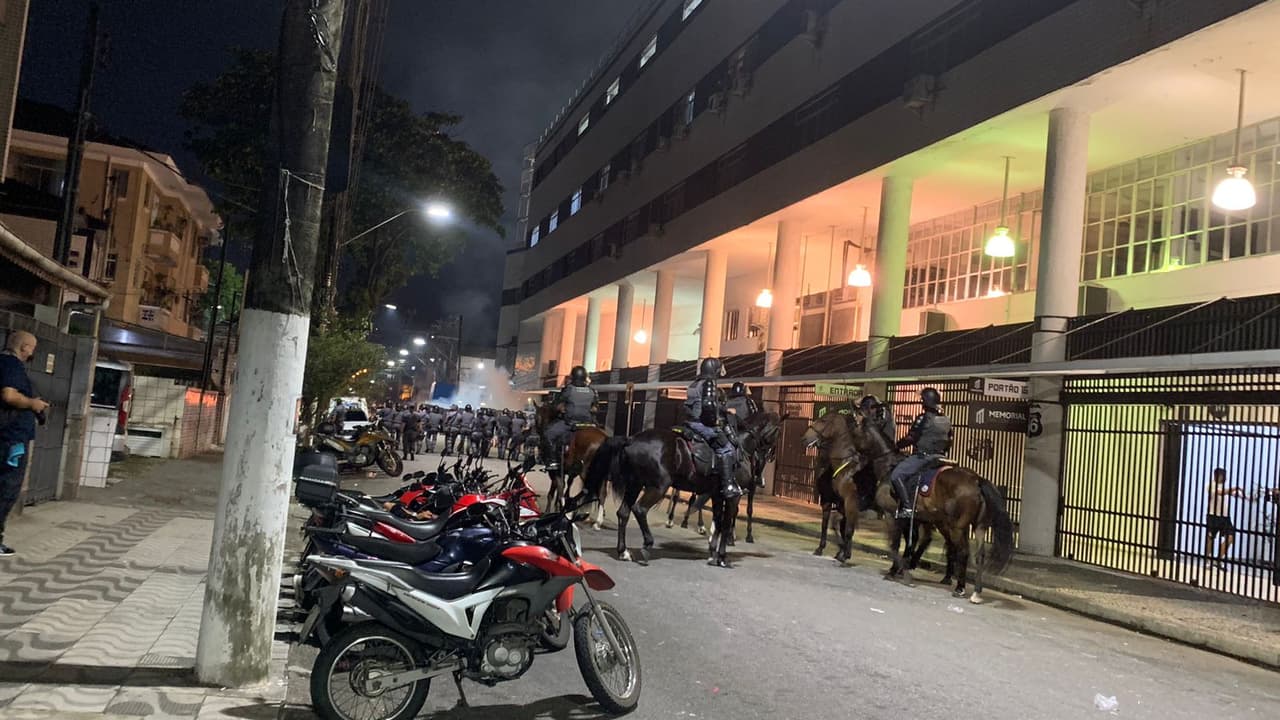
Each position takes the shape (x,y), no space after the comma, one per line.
(1001,551)
(605,465)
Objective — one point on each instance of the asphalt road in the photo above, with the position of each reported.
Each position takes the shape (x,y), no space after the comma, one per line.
(786,635)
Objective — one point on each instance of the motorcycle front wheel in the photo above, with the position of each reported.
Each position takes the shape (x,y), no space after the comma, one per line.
(390,462)
(613,681)
(343,670)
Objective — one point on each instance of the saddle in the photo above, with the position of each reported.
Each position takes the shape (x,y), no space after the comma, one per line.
(704,457)
(922,482)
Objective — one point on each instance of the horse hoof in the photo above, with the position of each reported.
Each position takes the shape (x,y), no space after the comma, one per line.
(958,592)
(732,542)
(819,551)
(751,539)
(670,524)
(945,581)
(907,579)
(644,556)
(625,556)
(702,530)
(684,525)
(597,527)
(976,599)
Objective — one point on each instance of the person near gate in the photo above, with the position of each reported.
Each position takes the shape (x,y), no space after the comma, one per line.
(19,410)
(1218,519)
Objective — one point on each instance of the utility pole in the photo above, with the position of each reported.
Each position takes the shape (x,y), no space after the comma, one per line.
(75,143)
(238,621)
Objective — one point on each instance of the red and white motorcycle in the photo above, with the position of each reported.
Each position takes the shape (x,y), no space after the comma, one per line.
(482,625)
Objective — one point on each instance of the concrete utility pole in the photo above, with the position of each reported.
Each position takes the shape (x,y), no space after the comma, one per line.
(253,501)
(75,143)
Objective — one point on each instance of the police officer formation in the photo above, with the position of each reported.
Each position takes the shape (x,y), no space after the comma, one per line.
(458,430)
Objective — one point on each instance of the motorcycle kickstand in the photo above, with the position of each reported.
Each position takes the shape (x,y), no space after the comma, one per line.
(462,694)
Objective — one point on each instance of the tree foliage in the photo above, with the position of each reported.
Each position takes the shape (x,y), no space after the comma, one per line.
(230,297)
(336,351)
(408,158)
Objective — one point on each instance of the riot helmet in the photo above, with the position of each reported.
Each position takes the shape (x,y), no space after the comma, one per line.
(868,403)
(467,409)
(711,368)
(578,376)
(737,390)
(930,398)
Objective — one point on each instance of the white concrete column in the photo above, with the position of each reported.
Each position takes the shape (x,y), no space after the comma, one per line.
(891,268)
(660,338)
(591,347)
(717,273)
(549,349)
(579,339)
(785,286)
(568,337)
(1057,293)
(622,327)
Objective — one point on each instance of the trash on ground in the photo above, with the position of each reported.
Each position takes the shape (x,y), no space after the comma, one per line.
(1106,704)
(877,610)
(955,608)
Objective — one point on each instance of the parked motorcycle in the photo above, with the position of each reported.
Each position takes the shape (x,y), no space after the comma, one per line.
(368,445)
(481,624)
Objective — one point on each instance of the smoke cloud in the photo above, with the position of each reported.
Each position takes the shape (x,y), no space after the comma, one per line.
(490,387)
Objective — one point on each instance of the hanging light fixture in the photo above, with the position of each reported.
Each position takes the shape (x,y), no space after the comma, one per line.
(765,298)
(1000,244)
(1235,192)
(641,336)
(995,292)
(859,277)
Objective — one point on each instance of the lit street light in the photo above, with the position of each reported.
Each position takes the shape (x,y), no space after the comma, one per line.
(404,353)
(419,341)
(390,307)
(480,366)
(391,363)
(434,210)
(439,211)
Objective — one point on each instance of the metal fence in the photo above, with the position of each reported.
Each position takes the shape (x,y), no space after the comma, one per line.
(1139,492)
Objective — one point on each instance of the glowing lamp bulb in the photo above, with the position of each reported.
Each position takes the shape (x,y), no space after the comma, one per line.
(1000,245)
(765,298)
(859,277)
(641,337)
(1235,192)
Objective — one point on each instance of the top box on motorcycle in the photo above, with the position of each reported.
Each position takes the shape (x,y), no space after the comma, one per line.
(317,486)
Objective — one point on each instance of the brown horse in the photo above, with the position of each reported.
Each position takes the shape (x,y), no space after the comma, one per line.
(577,456)
(960,503)
(837,485)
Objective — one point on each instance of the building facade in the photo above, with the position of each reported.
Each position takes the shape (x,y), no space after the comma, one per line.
(892,194)
(141,227)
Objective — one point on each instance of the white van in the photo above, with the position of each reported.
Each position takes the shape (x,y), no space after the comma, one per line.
(113,395)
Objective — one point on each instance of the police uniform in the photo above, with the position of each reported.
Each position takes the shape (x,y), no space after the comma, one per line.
(702,412)
(517,429)
(930,433)
(434,421)
(466,423)
(578,402)
(503,431)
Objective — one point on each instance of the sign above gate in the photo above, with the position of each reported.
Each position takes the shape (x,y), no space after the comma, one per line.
(839,391)
(999,416)
(995,387)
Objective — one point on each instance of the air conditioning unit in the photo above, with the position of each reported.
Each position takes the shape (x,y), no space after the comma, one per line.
(920,92)
(1094,300)
(813,27)
(932,321)
(715,102)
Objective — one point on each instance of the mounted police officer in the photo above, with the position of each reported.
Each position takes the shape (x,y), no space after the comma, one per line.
(702,411)
(878,417)
(574,405)
(930,434)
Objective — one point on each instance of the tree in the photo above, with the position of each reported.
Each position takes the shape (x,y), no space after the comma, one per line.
(229,299)
(335,353)
(408,158)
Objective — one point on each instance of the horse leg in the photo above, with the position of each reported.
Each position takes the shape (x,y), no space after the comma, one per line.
(822,536)
(951,563)
(960,541)
(751,496)
(650,498)
(688,510)
(924,537)
(599,521)
(624,513)
(727,517)
(702,506)
(898,568)
(671,510)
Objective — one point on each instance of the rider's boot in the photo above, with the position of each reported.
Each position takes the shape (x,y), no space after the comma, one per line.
(905,501)
(728,484)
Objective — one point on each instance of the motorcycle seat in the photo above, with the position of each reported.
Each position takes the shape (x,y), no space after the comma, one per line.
(409,553)
(446,586)
(418,530)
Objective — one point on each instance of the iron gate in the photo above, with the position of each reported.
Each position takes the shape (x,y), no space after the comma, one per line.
(1139,458)
(793,472)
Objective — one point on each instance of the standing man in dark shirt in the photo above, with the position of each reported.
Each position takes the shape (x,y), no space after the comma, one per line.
(18,410)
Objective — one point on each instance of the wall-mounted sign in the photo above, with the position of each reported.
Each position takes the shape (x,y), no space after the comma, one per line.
(995,387)
(999,416)
(838,391)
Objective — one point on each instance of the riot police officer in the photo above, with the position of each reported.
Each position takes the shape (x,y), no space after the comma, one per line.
(466,423)
(518,428)
(574,405)
(702,415)
(503,431)
(738,408)
(879,418)
(930,434)
(432,424)
(451,429)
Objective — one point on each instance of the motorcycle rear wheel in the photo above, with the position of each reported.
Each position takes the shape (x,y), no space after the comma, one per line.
(362,650)
(390,463)
(598,665)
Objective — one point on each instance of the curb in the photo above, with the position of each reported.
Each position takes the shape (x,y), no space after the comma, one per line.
(1256,653)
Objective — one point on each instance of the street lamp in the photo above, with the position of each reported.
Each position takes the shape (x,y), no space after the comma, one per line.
(439,211)
(435,210)
(480,365)
(391,363)
(390,307)
(419,341)
(404,353)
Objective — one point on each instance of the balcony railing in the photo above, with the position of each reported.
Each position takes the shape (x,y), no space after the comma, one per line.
(164,247)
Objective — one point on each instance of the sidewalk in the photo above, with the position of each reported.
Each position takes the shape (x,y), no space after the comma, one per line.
(100,610)
(1223,623)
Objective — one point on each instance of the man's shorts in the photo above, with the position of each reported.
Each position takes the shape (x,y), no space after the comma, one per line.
(1221,525)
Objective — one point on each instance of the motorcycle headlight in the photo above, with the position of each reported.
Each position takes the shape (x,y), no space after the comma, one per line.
(577,539)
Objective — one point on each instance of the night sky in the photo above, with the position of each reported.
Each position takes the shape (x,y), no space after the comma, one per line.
(506,66)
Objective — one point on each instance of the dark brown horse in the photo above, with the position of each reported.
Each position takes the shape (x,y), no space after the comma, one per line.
(577,456)
(758,438)
(643,468)
(960,503)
